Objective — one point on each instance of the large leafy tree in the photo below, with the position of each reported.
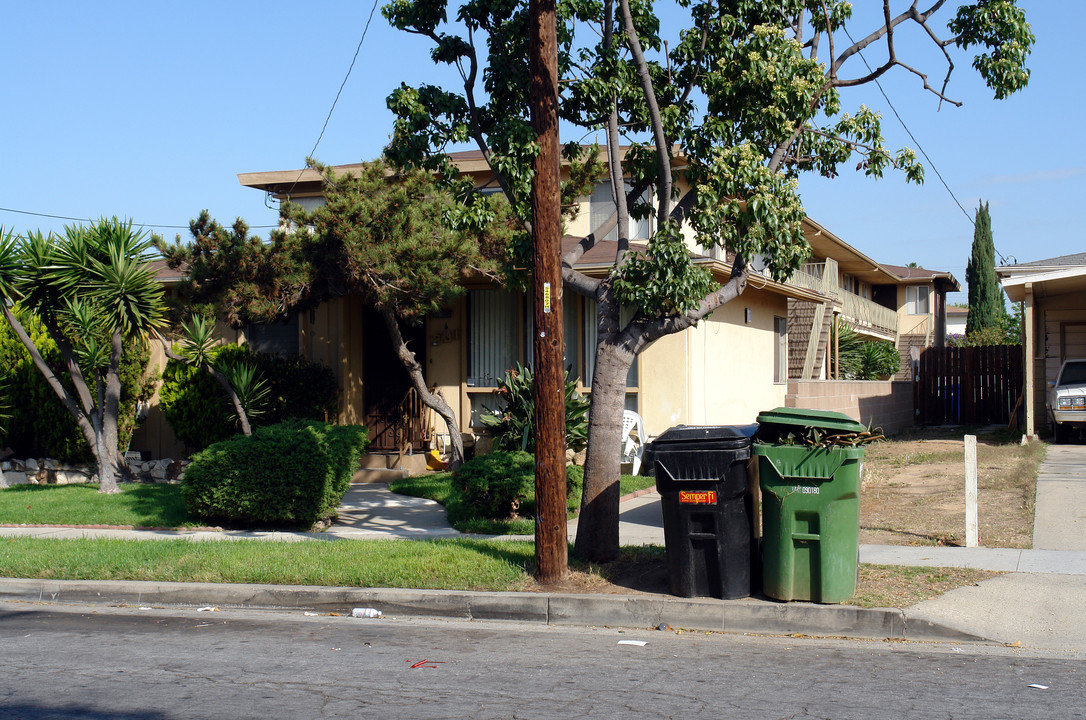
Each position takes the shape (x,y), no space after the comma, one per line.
(736,107)
(93,290)
(399,242)
(986,309)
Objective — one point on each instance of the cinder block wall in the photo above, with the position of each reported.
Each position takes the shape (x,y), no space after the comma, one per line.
(881,403)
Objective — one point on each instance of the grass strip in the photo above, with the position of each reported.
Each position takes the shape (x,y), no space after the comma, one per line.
(453,564)
(433,564)
(137,505)
(902,585)
(465,518)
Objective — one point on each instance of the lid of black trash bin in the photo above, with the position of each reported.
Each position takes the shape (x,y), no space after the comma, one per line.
(706,437)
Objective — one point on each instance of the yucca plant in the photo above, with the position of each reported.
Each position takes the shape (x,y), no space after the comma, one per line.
(242,382)
(93,289)
(513,427)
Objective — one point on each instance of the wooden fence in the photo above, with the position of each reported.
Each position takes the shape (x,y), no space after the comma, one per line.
(968,386)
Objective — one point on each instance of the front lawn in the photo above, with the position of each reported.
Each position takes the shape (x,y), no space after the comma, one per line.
(137,505)
(435,564)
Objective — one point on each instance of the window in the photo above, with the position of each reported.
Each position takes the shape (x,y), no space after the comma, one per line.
(569,334)
(780,350)
(492,332)
(309,204)
(276,338)
(602,205)
(492,345)
(916,300)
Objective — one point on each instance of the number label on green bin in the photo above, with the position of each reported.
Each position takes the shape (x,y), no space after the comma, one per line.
(806,489)
(697,497)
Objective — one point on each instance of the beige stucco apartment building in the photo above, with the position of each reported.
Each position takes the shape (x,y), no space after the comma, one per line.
(744,358)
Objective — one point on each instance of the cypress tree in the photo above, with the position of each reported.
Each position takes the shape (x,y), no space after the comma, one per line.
(985,296)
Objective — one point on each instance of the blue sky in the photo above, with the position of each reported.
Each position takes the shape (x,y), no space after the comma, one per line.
(149,111)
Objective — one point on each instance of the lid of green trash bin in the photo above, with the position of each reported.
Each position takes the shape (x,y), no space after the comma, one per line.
(822,419)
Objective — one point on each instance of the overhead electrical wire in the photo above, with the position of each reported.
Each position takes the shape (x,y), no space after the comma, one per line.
(328,118)
(312,152)
(917,142)
(89,220)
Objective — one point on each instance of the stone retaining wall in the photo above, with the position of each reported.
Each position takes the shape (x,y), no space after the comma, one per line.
(45,471)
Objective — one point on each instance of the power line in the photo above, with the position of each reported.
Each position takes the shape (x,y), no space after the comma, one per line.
(917,142)
(89,220)
(312,152)
(327,119)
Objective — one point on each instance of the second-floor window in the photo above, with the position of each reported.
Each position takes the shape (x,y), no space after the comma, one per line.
(602,205)
(916,300)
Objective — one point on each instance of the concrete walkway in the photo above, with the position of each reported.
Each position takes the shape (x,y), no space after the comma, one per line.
(1038,603)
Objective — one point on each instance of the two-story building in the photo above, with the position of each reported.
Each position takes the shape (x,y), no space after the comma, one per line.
(731,366)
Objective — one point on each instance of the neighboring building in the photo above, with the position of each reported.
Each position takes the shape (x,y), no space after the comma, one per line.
(1053,297)
(724,371)
(903,305)
(956,318)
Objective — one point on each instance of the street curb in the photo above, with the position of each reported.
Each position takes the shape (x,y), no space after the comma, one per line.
(758,617)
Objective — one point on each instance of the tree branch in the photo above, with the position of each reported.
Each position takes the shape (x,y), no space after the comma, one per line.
(663,152)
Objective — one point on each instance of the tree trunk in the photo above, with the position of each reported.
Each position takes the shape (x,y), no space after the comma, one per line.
(431,400)
(597,526)
(111,409)
(239,409)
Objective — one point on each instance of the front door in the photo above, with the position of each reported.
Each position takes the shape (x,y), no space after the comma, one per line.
(385,381)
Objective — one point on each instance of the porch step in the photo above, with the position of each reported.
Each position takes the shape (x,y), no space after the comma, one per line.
(376,475)
(381,467)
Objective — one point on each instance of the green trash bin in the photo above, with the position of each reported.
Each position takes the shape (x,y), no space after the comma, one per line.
(810,505)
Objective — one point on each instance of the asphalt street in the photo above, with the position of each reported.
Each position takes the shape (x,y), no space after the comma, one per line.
(166,664)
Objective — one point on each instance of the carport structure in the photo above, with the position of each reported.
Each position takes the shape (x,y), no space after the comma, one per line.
(1053,297)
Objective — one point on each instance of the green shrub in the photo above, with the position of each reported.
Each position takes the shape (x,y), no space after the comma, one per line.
(513,428)
(195,405)
(502,484)
(39,425)
(293,473)
(200,412)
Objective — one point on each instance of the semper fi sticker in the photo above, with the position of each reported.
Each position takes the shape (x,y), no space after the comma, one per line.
(697,497)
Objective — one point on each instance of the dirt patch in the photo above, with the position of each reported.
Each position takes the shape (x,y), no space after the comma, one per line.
(644,572)
(913,489)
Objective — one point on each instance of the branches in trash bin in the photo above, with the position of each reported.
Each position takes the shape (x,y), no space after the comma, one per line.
(815,437)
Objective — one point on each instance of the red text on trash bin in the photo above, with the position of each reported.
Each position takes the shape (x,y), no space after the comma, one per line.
(697,497)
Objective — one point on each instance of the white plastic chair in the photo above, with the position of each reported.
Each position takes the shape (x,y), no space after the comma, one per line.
(633,439)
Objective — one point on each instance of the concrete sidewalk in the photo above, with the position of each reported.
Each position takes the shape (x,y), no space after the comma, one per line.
(1038,603)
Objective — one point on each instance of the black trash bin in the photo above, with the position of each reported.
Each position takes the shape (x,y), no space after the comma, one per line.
(701,475)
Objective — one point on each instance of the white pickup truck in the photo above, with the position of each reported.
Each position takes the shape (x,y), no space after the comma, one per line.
(1067,399)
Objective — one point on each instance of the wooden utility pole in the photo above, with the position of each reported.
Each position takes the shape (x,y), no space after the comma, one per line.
(550,414)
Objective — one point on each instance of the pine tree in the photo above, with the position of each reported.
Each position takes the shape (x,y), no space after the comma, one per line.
(985,297)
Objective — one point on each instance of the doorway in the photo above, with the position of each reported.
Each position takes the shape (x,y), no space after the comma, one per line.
(385,382)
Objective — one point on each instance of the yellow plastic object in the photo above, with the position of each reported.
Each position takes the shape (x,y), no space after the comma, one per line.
(434,461)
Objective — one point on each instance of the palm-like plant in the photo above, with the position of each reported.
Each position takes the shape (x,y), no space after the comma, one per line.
(860,359)
(247,390)
(513,427)
(92,288)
